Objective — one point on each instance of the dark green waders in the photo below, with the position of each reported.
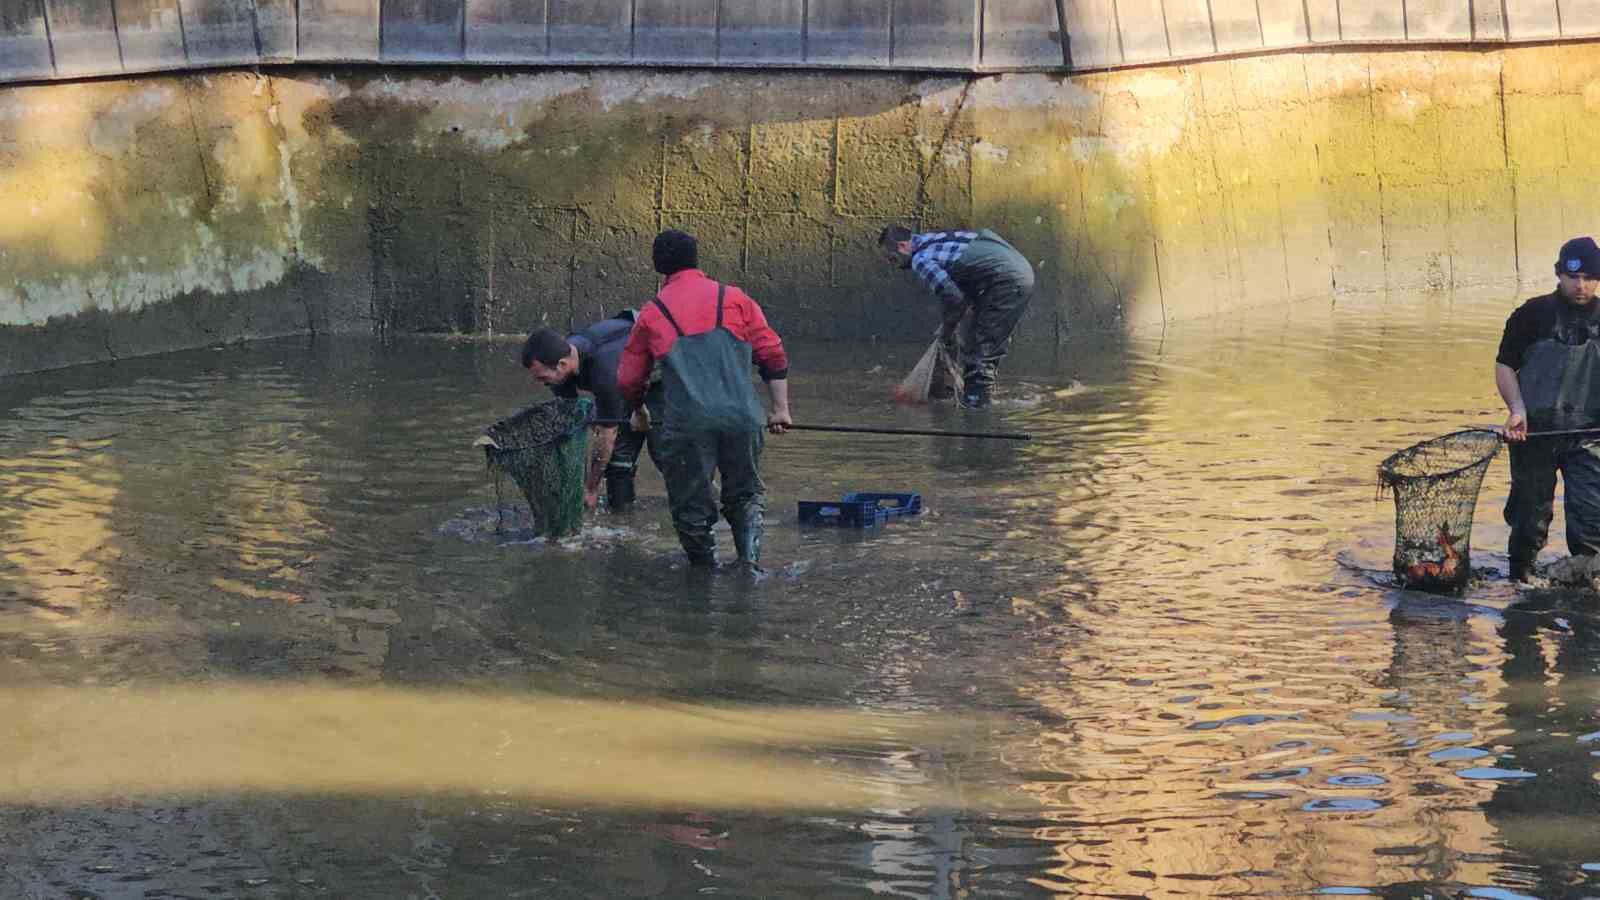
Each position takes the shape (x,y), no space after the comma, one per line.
(623,468)
(1560,382)
(998,282)
(713,425)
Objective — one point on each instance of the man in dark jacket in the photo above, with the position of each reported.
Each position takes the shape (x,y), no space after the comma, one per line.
(980,280)
(587,361)
(1548,374)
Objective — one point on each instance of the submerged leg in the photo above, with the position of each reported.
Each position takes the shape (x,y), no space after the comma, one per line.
(1580,478)
(1531,504)
(744,496)
(623,468)
(993,325)
(688,461)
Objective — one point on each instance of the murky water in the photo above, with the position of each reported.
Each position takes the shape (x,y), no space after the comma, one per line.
(258,638)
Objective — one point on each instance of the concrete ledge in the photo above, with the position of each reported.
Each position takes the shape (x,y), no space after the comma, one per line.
(307,302)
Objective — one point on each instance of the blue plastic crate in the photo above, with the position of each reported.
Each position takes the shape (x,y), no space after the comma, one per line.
(897,505)
(843,513)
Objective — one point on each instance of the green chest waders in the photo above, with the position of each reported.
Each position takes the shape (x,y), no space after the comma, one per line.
(714,422)
(1560,383)
(706,379)
(998,281)
(1560,376)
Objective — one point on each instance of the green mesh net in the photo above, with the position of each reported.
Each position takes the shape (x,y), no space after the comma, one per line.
(1435,485)
(543,449)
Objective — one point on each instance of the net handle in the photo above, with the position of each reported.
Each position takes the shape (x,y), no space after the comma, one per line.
(858,429)
(1559,433)
(1563,432)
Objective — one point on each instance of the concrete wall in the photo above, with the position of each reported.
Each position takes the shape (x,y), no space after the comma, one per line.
(54,39)
(170,212)
(175,211)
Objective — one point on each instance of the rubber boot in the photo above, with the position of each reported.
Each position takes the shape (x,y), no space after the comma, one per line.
(701,549)
(620,492)
(1522,571)
(975,396)
(747,540)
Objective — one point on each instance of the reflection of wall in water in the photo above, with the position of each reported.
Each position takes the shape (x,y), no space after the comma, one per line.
(1550,822)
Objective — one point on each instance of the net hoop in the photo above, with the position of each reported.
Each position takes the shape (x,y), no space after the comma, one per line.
(1389,477)
(564,417)
(1435,483)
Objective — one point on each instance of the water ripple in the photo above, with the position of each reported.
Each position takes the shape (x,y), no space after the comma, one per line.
(1172,594)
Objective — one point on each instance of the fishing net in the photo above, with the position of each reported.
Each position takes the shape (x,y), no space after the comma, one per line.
(543,449)
(1435,485)
(935,377)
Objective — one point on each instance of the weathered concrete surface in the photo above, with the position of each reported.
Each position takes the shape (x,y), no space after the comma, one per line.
(179,211)
(161,213)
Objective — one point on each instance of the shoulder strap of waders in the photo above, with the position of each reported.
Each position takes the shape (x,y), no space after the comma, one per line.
(722,290)
(668,313)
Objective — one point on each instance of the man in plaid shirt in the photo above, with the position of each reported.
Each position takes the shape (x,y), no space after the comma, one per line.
(983,285)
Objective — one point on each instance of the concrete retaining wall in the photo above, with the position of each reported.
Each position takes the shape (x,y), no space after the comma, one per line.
(175,211)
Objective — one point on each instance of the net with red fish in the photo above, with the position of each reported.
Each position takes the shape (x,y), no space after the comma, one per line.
(935,376)
(1435,485)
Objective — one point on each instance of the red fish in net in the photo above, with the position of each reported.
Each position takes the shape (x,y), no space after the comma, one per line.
(935,376)
(1445,571)
(1435,485)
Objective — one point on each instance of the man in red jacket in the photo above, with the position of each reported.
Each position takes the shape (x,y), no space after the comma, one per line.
(706,335)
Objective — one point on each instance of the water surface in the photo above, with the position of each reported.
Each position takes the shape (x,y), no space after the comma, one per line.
(260,638)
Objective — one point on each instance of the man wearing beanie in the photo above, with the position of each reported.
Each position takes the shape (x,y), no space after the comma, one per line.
(706,336)
(1548,374)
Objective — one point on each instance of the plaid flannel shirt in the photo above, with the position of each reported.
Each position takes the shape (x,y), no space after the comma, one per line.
(931,253)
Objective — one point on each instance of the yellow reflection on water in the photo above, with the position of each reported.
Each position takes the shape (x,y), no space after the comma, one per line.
(57,534)
(1247,715)
(65,745)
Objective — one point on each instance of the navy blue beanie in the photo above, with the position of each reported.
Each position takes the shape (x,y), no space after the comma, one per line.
(1579,255)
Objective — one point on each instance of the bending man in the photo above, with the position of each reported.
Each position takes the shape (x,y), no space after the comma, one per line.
(974,271)
(705,335)
(1548,374)
(588,361)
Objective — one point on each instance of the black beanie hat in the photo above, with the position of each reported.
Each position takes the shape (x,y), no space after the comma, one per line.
(1579,255)
(674,251)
